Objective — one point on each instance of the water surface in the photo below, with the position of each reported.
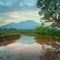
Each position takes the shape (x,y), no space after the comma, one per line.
(25,48)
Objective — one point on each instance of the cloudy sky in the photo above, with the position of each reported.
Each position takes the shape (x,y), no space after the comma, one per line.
(18,10)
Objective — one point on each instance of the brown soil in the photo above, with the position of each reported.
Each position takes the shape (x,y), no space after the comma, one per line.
(8,40)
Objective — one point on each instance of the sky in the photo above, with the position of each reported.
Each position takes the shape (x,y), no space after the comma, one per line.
(17,11)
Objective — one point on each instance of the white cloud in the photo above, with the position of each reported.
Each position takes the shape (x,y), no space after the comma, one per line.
(19,16)
(12,14)
(25,15)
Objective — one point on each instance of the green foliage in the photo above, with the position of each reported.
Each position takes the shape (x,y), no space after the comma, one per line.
(8,32)
(50,9)
(47,31)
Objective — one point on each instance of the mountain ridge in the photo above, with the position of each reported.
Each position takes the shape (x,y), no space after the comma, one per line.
(29,24)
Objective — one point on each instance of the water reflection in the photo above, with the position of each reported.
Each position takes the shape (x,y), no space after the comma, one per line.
(49,54)
(48,41)
(24,48)
(26,39)
(29,48)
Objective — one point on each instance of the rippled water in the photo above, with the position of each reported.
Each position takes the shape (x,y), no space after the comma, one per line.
(27,48)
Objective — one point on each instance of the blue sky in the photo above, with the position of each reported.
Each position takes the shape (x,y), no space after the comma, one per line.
(18,10)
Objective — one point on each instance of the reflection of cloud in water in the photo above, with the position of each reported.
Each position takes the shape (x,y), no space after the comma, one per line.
(24,48)
(21,51)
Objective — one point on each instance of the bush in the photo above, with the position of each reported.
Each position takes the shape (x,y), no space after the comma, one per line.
(47,31)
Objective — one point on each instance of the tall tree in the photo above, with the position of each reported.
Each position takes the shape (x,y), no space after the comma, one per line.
(50,9)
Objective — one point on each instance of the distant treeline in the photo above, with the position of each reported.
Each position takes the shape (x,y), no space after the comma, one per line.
(48,31)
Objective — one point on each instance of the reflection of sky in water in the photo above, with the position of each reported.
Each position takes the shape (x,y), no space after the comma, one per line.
(26,40)
(22,50)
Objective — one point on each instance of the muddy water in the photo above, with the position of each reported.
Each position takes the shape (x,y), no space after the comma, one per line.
(31,48)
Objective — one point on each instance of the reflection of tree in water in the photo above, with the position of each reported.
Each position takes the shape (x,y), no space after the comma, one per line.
(49,54)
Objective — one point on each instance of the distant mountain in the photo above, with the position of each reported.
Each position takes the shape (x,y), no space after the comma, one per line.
(22,25)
